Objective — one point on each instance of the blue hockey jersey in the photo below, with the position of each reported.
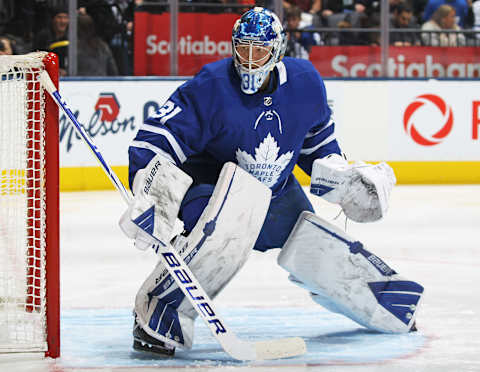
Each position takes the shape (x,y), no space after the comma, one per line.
(209,121)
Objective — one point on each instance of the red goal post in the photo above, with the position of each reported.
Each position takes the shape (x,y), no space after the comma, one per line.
(29,207)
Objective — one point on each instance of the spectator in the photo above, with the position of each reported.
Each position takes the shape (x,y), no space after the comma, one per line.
(306,6)
(361,6)
(156,7)
(299,43)
(218,9)
(348,20)
(402,19)
(6,47)
(248,4)
(7,13)
(347,14)
(346,38)
(121,44)
(469,19)
(393,5)
(102,14)
(94,56)
(330,7)
(476,18)
(461,8)
(418,7)
(373,38)
(113,21)
(309,10)
(19,20)
(443,19)
(54,38)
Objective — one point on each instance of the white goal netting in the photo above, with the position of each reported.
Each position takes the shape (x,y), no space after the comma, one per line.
(22,205)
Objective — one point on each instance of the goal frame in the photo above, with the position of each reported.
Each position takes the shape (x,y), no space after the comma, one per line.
(38,181)
(52,236)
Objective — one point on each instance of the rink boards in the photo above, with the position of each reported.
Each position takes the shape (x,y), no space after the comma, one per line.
(427,130)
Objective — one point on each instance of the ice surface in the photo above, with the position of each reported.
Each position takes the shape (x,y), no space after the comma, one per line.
(431,235)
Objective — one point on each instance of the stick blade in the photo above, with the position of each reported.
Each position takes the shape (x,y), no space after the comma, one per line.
(280,348)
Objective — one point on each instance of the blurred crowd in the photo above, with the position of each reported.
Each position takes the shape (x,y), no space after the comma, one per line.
(412,23)
(105,27)
(104,32)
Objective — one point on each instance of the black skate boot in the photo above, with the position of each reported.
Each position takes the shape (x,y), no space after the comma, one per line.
(144,342)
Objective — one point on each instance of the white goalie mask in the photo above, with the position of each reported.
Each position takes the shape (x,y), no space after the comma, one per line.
(258,43)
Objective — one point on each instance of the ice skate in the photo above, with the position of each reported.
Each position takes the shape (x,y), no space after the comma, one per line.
(146,343)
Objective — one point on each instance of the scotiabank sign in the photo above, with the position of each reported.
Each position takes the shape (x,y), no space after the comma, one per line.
(417,62)
(202,38)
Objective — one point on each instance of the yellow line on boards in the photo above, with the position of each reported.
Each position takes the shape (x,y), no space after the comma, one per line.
(407,172)
(425,172)
(90,178)
(436,172)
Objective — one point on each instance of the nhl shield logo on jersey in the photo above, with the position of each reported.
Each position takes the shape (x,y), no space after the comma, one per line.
(267,101)
(267,165)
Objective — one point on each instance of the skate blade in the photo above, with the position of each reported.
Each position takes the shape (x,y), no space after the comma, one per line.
(156,350)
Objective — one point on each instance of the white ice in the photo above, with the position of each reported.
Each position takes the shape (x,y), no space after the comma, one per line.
(431,235)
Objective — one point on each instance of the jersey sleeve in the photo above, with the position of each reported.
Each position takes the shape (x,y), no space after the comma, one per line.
(320,140)
(179,129)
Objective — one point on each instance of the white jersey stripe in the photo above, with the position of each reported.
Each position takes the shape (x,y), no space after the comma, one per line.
(311,150)
(310,134)
(282,72)
(170,138)
(155,149)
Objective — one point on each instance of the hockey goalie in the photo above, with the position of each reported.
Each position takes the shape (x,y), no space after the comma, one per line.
(219,156)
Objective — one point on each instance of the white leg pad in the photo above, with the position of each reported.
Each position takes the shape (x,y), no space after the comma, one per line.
(346,278)
(215,250)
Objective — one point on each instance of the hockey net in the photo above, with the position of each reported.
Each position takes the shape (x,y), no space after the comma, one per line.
(29,238)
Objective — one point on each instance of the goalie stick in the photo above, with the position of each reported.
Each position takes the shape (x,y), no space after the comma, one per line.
(178,269)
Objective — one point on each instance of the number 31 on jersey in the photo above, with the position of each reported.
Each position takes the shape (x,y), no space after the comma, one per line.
(167,111)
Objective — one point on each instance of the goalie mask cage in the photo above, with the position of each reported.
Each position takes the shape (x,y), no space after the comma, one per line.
(29,189)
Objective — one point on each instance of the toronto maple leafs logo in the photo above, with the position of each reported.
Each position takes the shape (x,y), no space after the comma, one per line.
(267,165)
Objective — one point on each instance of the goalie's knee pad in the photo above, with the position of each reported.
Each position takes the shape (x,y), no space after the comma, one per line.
(215,250)
(345,278)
